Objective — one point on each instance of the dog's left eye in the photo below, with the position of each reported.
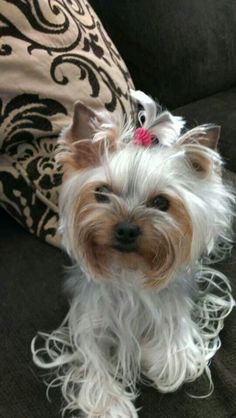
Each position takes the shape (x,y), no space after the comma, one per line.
(101,194)
(160,202)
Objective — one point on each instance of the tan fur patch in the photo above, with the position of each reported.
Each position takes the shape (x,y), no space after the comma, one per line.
(77,155)
(199,161)
(94,224)
(159,252)
(166,252)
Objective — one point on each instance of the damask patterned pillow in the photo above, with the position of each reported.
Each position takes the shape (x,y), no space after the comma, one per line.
(52,53)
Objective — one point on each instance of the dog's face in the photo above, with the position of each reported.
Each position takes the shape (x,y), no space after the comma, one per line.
(128,207)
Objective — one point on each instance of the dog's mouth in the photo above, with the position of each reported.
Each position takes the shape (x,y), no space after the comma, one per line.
(125,247)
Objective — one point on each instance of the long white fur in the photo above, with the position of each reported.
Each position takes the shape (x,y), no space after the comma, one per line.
(179,326)
(117,329)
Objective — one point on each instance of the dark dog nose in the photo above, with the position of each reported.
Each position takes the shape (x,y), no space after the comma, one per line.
(126,234)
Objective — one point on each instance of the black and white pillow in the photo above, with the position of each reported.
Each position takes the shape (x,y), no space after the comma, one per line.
(52,53)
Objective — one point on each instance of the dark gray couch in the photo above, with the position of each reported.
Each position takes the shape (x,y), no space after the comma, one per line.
(183,53)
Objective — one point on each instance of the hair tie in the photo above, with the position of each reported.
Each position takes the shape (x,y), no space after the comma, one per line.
(144,138)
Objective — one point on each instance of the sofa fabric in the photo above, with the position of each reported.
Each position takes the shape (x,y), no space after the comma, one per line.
(51,55)
(220,108)
(182,53)
(176,51)
(179,53)
(32,299)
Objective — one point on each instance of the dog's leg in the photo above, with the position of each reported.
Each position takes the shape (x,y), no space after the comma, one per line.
(81,356)
(104,399)
(100,396)
(90,383)
(174,354)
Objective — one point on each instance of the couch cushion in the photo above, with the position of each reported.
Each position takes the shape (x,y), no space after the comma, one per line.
(51,54)
(31,277)
(31,281)
(221,110)
(177,51)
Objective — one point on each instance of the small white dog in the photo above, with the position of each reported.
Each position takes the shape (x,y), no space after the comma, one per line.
(143,213)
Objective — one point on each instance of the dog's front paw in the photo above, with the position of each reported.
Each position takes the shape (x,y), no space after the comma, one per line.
(122,409)
(99,398)
(169,371)
(118,409)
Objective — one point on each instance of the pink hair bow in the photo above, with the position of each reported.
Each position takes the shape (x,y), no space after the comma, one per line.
(144,138)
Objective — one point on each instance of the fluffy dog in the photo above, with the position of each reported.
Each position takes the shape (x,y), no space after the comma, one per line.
(144,212)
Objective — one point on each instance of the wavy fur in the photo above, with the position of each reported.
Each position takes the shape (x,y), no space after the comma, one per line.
(118,330)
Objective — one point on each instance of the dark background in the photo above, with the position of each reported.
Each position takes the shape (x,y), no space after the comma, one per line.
(177,51)
(181,52)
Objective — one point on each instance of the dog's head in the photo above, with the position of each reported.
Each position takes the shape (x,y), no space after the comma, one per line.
(147,200)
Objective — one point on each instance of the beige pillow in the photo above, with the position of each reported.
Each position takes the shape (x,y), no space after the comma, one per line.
(51,55)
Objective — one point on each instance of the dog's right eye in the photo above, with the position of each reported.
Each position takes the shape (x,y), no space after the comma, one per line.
(101,194)
(160,202)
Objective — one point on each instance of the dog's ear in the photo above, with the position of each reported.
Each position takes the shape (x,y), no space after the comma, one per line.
(198,144)
(81,127)
(81,144)
(205,135)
